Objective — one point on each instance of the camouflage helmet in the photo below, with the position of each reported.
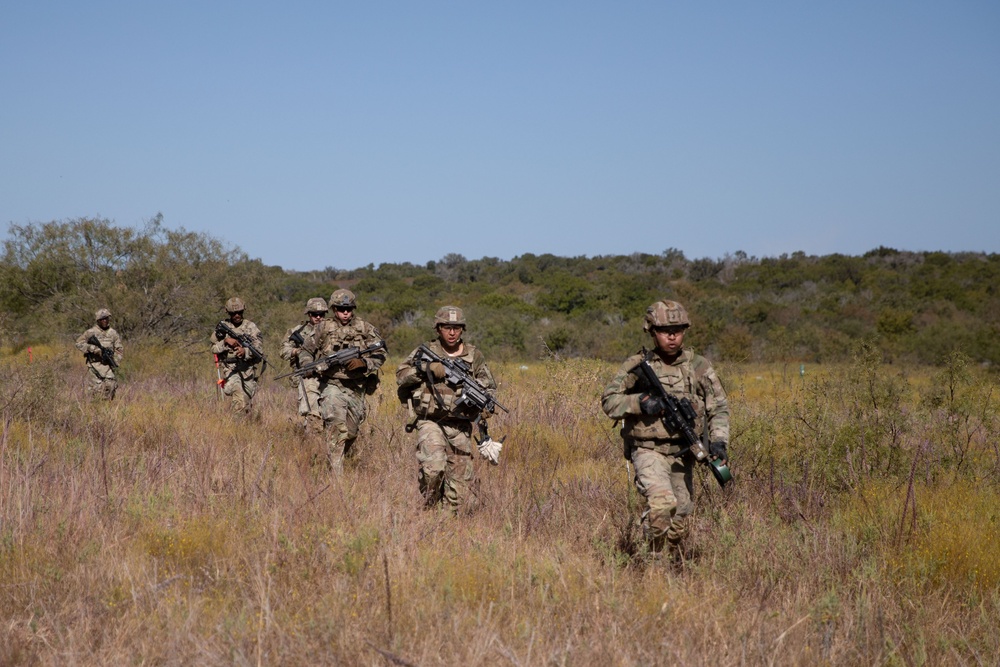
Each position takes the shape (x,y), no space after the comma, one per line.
(344,298)
(666,314)
(316,305)
(449,315)
(235,305)
(101,314)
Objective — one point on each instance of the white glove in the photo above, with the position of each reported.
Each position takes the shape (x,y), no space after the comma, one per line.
(490,450)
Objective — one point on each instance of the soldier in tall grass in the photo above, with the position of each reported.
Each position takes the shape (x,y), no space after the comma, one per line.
(343,388)
(662,469)
(442,422)
(239,362)
(100,362)
(299,348)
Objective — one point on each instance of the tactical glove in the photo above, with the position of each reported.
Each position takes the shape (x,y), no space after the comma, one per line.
(355,364)
(651,405)
(718,450)
(436,369)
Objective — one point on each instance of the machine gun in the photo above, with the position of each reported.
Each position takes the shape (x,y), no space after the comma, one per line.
(107,356)
(338,358)
(679,417)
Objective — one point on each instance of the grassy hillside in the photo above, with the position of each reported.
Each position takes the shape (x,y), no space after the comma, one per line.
(862,527)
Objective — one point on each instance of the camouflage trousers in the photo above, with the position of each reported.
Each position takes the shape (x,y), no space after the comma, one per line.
(241,390)
(102,381)
(665,484)
(309,397)
(343,411)
(444,452)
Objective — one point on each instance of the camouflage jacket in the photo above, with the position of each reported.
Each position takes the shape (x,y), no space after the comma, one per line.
(306,351)
(247,366)
(690,376)
(332,336)
(437,401)
(108,338)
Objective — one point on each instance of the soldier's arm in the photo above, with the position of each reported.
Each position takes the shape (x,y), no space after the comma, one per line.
(288,348)
(117,347)
(219,345)
(481,371)
(716,407)
(374,361)
(83,345)
(616,401)
(406,375)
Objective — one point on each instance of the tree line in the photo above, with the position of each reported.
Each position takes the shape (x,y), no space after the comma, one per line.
(169,286)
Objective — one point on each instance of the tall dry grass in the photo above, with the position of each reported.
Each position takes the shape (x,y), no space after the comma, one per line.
(159,530)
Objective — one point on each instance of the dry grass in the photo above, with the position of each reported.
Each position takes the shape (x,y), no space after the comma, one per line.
(156,530)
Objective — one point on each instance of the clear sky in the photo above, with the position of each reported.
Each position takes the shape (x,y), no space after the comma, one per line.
(315,134)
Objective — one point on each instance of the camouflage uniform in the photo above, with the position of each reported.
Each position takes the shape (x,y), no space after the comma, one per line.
(342,392)
(663,478)
(102,376)
(444,431)
(299,355)
(241,374)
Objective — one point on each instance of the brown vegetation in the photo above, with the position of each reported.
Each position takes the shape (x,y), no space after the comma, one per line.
(861,529)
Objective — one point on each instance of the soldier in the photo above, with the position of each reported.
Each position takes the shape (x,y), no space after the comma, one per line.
(662,476)
(299,347)
(239,361)
(444,430)
(343,388)
(101,362)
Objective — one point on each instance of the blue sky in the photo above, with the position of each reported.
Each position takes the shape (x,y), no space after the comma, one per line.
(315,134)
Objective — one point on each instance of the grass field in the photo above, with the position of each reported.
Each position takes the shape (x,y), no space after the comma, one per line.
(862,527)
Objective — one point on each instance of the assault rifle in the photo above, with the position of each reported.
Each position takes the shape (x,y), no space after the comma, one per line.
(338,358)
(107,356)
(458,374)
(679,417)
(222,329)
(296,336)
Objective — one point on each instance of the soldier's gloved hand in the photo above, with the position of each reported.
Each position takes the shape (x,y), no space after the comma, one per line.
(718,450)
(436,369)
(651,405)
(355,364)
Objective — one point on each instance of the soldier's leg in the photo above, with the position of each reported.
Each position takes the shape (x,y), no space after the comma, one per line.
(460,471)
(681,484)
(110,387)
(310,407)
(432,455)
(95,383)
(652,479)
(240,391)
(343,412)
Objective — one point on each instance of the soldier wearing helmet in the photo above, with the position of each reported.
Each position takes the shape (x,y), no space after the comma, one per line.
(239,362)
(343,388)
(443,423)
(102,374)
(299,348)
(662,460)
